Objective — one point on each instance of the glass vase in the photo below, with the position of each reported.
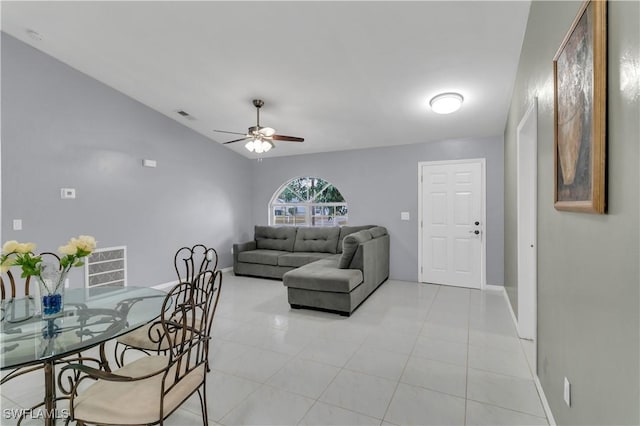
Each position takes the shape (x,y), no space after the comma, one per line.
(51,284)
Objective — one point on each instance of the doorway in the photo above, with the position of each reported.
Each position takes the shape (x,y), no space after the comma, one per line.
(527,203)
(451,203)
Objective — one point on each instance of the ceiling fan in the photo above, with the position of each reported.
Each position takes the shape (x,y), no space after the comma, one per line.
(260,138)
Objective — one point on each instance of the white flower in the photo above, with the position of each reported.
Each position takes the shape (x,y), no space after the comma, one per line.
(85,243)
(24,248)
(69,250)
(10,247)
(8,263)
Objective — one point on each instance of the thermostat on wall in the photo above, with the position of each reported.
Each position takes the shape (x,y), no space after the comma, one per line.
(67,193)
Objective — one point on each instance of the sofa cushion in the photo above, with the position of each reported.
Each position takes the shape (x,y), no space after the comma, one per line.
(275,237)
(324,275)
(350,245)
(346,230)
(297,259)
(378,231)
(322,240)
(263,257)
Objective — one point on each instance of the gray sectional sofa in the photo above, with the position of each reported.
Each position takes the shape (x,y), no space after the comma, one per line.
(332,269)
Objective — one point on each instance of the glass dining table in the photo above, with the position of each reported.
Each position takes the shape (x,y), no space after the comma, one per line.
(91,317)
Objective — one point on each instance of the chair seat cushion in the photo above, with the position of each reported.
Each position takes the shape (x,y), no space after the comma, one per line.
(300,259)
(139,338)
(324,275)
(262,257)
(136,402)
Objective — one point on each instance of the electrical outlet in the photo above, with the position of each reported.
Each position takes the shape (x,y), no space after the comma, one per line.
(66,283)
(567,392)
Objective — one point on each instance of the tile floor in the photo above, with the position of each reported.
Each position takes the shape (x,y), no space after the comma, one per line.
(412,354)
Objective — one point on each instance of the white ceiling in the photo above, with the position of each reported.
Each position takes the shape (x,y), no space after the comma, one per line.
(343,75)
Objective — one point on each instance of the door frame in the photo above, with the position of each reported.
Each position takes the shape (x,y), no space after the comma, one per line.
(526,240)
(483,213)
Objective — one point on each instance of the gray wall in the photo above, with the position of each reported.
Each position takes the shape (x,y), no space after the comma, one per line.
(380,183)
(588,277)
(61,128)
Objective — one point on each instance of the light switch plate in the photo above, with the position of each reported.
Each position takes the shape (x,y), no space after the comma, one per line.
(149,163)
(405,216)
(17,224)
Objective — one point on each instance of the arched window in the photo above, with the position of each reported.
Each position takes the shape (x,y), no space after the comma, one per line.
(308,201)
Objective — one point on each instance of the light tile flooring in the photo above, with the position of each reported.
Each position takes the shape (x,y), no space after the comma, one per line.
(412,354)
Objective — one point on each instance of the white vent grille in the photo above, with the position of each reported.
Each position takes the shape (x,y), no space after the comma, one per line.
(106,266)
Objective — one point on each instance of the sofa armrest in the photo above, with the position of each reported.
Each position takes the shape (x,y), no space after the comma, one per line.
(239,248)
(372,258)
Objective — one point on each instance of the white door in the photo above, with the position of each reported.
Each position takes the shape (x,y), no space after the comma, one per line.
(452,235)
(526,153)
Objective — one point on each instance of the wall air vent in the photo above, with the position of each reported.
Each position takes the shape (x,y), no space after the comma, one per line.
(106,266)
(185,114)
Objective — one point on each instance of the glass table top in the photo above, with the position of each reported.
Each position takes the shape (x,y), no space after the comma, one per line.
(91,316)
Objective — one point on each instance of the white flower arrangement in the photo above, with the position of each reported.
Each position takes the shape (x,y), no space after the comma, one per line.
(21,254)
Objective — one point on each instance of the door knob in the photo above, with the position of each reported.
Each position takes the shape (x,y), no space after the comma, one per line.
(477,223)
(474,232)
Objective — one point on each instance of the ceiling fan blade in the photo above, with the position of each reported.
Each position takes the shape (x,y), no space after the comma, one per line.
(231,133)
(236,140)
(286,138)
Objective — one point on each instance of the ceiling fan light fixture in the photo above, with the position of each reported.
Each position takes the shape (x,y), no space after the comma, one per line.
(267,131)
(259,145)
(446,103)
(260,139)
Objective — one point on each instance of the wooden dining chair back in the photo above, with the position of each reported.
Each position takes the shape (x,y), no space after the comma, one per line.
(150,388)
(189,262)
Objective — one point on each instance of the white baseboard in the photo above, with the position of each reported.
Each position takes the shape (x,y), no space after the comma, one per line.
(492,287)
(545,403)
(513,314)
(536,379)
(172,283)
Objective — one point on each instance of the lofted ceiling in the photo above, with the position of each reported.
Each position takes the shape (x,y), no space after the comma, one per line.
(343,75)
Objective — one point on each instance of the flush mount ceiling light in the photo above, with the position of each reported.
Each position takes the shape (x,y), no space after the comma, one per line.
(446,103)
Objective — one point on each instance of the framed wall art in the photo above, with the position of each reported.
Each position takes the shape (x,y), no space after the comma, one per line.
(580,108)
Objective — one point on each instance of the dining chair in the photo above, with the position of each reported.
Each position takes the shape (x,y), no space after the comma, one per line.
(189,263)
(149,389)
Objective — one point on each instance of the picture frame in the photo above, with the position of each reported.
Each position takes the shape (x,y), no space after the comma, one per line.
(580,112)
